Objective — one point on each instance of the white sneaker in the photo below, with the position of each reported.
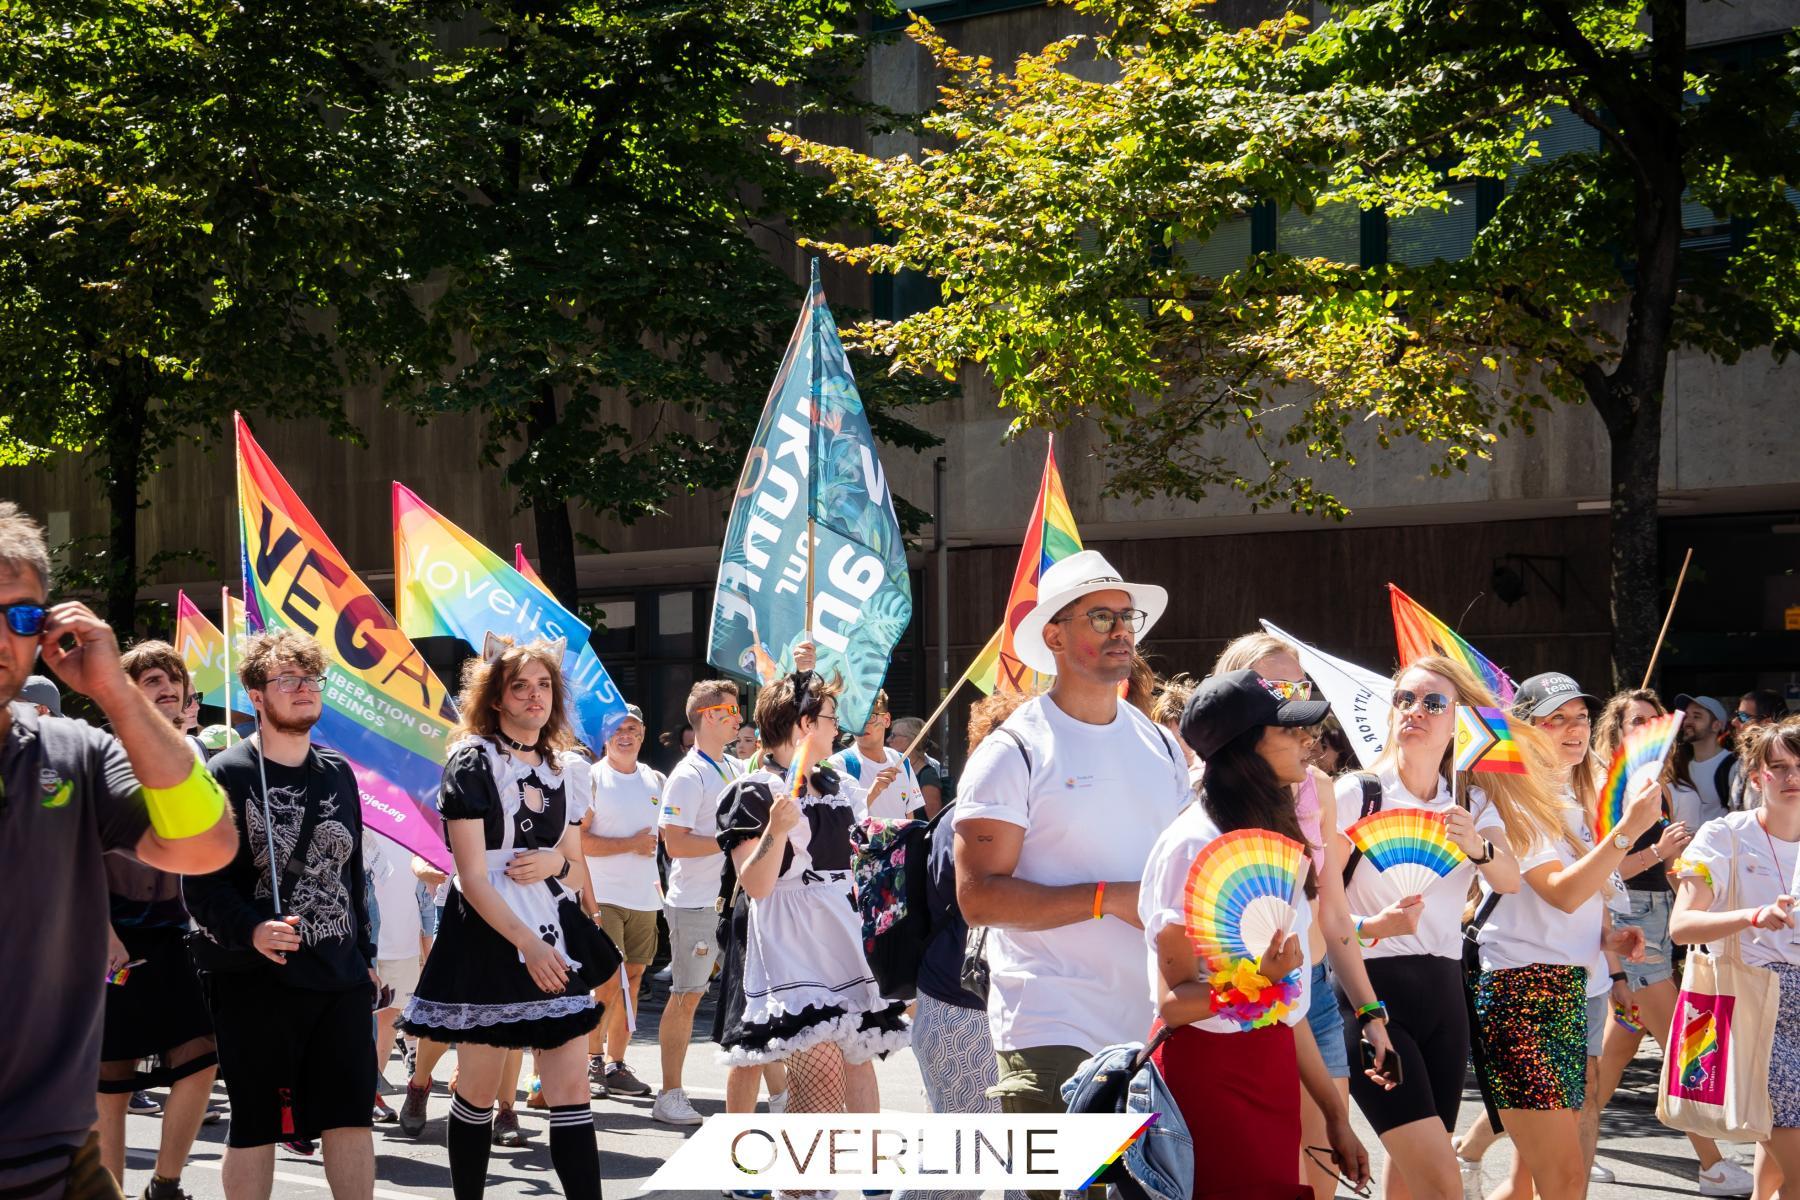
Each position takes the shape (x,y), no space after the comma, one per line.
(1599,1174)
(672,1108)
(778,1102)
(1471,1178)
(1726,1178)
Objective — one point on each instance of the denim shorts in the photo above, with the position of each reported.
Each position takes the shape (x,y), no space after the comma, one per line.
(429,911)
(1327,1024)
(1649,911)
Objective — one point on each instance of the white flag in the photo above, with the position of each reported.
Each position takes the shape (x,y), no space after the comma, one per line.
(1359,698)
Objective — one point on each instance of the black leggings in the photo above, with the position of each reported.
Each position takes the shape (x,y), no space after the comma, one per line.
(1429,1026)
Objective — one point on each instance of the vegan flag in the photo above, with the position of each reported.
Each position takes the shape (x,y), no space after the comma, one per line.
(1418,633)
(1484,742)
(1360,699)
(202,650)
(383,707)
(447,584)
(813,458)
(1050,536)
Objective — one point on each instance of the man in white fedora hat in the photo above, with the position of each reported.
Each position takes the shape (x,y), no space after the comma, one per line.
(1054,822)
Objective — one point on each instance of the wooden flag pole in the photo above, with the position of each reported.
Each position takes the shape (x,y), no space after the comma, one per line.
(1667,617)
(916,751)
(812,446)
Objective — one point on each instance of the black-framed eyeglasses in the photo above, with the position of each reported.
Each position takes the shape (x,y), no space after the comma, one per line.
(1102,620)
(293,683)
(1432,702)
(26,620)
(1329,1166)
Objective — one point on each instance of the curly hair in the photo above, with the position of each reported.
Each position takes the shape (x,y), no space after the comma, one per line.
(484,684)
(274,648)
(988,713)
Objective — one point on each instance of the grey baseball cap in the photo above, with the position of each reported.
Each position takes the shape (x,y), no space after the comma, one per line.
(1708,703)
(41,689)
(1543,694)
(635,713)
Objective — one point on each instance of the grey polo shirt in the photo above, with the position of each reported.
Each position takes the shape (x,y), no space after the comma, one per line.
(70,797)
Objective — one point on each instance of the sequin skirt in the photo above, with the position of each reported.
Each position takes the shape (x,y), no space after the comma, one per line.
(1533,1026)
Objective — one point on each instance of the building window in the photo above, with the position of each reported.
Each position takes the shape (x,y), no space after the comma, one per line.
(1425,236)
(1332,232)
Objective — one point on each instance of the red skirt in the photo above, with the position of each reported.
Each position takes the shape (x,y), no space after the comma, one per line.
(1240,1096)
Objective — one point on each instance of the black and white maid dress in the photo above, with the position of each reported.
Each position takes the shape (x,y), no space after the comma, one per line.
(474,986)
(804,978)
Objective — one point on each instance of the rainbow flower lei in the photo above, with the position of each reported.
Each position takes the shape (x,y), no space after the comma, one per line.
(1241,993)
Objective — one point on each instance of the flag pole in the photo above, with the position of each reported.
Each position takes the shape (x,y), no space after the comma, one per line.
(225,620)
(1667,617)
(812,446)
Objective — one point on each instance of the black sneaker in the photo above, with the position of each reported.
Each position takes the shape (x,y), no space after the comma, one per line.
(621,1082)
(171,1191)
(143,1105)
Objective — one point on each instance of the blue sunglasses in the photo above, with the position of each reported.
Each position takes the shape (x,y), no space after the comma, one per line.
(25,620)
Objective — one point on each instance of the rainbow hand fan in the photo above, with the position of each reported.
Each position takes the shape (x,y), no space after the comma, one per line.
(1242,890)
(1646,746)
(1408,845)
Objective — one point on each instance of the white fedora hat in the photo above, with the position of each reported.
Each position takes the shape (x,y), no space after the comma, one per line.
(1070,579)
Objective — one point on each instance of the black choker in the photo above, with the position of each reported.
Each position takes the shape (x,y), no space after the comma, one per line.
(521,747)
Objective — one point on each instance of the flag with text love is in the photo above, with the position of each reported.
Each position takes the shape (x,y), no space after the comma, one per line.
(384,708)
(818,461)
(202,648)
(447,584)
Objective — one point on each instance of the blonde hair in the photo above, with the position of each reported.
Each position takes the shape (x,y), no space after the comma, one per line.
(1245,652)
(1529,806)
(1171,699)
(1581,775)
(484,683)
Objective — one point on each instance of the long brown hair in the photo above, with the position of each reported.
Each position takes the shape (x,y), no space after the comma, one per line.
(1528,807)
(484,684)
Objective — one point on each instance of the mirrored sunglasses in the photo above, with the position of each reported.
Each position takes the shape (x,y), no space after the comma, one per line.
(1432,702)
(26,620)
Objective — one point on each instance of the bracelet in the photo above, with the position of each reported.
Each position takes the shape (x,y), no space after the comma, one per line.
(1099,898)
(1371,1006)
(1617,977)
(564,873)
(1360,940)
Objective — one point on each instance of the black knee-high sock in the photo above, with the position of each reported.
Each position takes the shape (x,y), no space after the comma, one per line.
(470,1137)
(574,1151)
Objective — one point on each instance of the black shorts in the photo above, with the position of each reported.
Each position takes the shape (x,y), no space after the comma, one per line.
(295,1062)
(157,1028)
(1428,1022)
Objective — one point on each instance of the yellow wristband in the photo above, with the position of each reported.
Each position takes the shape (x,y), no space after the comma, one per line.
(191,807)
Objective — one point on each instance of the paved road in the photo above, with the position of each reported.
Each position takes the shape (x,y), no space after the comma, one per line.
(1648,1159)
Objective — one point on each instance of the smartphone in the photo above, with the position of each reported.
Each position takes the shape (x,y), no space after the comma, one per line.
(119,976)
(384,998)
(1393,1071)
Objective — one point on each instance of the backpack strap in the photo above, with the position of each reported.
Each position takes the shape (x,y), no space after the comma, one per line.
(853,765)
(1481,915)
(1018,741)
(1371,804)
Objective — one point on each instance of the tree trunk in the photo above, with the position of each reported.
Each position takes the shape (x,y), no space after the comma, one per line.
(121,474)
(1637,594)
(550,513)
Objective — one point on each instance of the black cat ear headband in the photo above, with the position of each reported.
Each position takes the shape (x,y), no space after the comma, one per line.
(808,698)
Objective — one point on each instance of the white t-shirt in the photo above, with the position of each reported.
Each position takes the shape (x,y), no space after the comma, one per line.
(1525,928)
(1093,803)
(389,868)
(857,772)
(624,804)
(1701,803)
(1440,925)
(691,802)
(1162,899)
(1766,867)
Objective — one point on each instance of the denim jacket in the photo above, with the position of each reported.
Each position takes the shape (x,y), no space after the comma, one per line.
(1161,1162)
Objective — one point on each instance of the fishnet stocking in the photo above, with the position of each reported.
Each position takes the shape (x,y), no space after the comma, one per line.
(816,1080)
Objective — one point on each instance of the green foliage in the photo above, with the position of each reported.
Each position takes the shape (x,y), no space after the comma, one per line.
(1053,203)
(599,205)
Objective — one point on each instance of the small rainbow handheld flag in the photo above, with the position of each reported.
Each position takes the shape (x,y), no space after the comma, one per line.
(1484,742)
(1418,633)
(1646,746)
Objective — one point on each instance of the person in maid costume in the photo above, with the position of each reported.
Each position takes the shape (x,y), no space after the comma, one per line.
(515,960)
(808,996)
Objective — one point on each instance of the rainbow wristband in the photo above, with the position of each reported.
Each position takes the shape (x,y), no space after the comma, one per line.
(191,807)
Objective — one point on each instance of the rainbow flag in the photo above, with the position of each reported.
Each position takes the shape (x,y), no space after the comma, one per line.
(1646,746)
(1418,633)
(384,708)
(1484,742)
(447,584)
(1050,537)
(202,649)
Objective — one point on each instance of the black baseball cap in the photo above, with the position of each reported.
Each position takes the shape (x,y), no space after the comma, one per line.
(1543,694)
(1224,706)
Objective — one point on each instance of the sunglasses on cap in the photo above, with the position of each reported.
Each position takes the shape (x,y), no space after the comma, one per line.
(1285,689)
(26,620)
(1432,702)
